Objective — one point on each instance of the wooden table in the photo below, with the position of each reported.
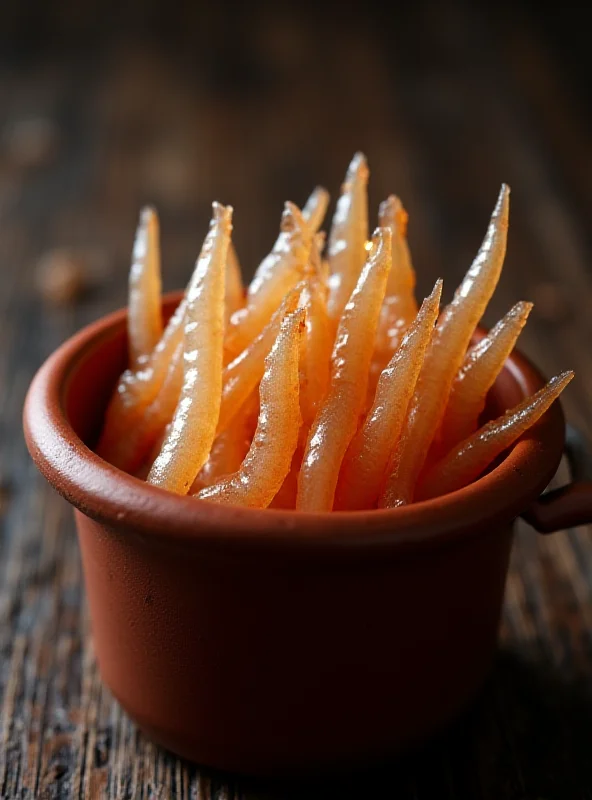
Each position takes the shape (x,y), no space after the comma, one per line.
(98,116)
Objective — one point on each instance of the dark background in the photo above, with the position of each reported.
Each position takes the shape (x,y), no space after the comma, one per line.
(107,106)
(249,103)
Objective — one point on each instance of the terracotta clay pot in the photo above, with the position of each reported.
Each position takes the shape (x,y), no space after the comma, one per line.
(271,642)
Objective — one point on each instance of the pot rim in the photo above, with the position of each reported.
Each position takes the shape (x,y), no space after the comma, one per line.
(124,502)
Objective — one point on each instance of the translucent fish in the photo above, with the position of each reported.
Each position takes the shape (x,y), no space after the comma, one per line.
(481,366)
(367,458)
(268,461)
(187,446)
(144,319)
(348,236)
(444,358)
(280,271)
(339,414)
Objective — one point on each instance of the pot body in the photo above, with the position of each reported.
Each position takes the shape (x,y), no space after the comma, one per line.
(269,668)
(272,642)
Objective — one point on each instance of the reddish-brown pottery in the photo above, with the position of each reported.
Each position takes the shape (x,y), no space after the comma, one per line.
(271,642)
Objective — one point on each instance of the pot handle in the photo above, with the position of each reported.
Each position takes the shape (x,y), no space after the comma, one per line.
(569,505)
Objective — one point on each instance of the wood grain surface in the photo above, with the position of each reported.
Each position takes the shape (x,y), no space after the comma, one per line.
(100,113)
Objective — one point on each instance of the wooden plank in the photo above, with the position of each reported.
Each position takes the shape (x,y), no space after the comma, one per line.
(443,124)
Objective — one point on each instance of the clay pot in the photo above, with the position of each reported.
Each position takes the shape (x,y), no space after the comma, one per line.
(271,642)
